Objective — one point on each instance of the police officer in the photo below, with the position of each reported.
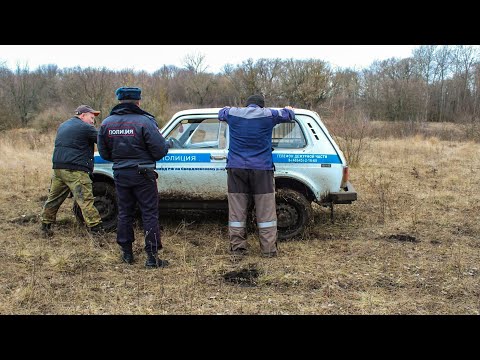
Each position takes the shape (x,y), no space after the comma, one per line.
(250,171)
(130,137)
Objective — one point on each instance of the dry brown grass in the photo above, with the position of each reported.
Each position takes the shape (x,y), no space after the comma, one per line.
(409,245)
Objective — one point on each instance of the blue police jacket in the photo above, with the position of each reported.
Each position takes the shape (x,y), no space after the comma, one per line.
(130,136)
(251,135)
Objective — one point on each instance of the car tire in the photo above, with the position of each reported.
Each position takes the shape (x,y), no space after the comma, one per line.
(106,204)
(294,213)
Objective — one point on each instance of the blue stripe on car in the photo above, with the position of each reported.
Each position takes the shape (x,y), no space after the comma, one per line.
(306,158)
(184,158)
(277,158)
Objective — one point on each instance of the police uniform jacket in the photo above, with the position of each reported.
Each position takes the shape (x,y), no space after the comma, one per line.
(130,136)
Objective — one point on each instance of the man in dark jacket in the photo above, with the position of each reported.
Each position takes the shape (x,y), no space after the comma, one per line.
(250,171)
(130,137)
(72,165)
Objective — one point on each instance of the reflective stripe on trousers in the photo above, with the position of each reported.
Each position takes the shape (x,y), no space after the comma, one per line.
(238,224)
(266,224)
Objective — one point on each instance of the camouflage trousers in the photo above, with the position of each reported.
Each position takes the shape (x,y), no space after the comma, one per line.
(79,183)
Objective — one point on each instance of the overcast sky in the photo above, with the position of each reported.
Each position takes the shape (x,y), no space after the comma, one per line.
(153,57)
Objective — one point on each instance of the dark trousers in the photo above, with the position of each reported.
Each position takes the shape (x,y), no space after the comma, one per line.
(133,188)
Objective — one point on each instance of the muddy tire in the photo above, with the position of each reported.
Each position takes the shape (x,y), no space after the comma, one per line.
(294,213)
(106,204)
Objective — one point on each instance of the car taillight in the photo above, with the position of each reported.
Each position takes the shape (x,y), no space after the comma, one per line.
(346,176)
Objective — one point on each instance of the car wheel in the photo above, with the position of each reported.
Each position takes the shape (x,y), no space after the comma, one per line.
(294,213)
(106,204)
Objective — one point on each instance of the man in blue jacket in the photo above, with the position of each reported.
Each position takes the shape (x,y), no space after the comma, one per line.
(130,137)
(250,171)
(72,165)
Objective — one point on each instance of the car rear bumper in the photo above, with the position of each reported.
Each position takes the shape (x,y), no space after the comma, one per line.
(342,197)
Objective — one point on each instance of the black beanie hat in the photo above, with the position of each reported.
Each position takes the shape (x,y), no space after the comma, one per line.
(257,100)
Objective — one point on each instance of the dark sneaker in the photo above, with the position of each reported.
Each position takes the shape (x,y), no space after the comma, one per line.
(96,230)
(47,230)
(154,262)
(269,255)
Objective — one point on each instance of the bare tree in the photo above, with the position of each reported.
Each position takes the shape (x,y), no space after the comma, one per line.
(424,59)
(306,82)
(197,82)
(245,79)
(391,87)
(269,78)
(463,58)
(91,86)
(345,90)
(195,62)
(442,68)
(22,88)
(476,90)
(5,104)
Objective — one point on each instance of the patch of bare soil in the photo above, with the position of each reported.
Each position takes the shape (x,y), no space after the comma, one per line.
(243,277)
(403,237)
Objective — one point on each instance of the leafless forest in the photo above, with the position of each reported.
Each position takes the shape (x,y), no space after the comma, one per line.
(435,84)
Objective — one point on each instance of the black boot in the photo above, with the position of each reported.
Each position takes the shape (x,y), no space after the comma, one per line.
(47,230)
(154,262)
(127,255)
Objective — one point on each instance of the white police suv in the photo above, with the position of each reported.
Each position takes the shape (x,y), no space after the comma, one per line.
(309,167)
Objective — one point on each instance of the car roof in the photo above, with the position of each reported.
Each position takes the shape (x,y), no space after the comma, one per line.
(216,110)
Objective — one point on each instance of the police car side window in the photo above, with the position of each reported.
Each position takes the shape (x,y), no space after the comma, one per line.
(288,136)
(204,134)
(222,135)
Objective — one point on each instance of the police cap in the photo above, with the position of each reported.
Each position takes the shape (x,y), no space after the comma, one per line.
(128,93)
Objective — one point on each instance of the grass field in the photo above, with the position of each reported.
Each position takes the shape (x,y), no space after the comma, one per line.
(409,245)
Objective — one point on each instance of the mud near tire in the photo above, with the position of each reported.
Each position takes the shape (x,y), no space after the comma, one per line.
(294,213)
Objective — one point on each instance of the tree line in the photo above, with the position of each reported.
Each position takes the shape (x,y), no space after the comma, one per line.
(437,83)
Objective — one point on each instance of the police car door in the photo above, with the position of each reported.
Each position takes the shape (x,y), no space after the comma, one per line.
(194,168)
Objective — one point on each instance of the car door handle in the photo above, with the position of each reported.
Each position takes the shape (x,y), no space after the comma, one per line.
(218,157)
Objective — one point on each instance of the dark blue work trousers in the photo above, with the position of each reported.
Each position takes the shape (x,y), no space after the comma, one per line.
(132,188)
